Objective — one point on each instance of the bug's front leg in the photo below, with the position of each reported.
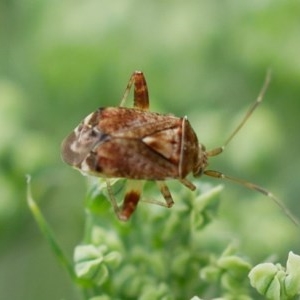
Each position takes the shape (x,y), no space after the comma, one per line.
(166,193)
(141,95)
(187,183)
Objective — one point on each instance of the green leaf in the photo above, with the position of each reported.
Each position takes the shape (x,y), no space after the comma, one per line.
(263,278)
(89,263)
(47,232)
(292,280)
(204,206)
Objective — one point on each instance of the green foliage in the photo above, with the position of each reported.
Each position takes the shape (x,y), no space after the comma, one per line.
(61,60)
(276,282)
(164,260)
(152,261)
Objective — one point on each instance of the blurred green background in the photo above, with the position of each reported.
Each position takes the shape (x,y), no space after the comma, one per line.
(60,60)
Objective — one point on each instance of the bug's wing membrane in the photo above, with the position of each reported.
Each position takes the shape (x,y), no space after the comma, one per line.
(77,146)
(68,155)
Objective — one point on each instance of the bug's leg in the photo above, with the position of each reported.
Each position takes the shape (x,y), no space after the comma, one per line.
(257,188)
(113,199)
(166,193)
(188,184)
(131,199)
(141,96)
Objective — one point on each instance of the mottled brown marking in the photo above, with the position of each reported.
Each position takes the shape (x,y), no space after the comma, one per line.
(166,142)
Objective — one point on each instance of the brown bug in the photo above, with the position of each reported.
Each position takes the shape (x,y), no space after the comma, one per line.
(133,143)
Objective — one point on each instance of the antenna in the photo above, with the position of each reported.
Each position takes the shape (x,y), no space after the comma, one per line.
(249,185)
(257,188)
(248,114)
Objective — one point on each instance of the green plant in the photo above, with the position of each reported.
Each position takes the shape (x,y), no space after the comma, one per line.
(162,254)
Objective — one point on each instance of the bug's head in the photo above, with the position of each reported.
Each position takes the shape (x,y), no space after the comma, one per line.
(202,162)
(85,137)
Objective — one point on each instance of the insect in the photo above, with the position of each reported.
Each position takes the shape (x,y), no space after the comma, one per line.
(139,145)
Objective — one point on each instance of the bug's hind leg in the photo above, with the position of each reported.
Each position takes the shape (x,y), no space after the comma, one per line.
(141,95)
(131,199)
